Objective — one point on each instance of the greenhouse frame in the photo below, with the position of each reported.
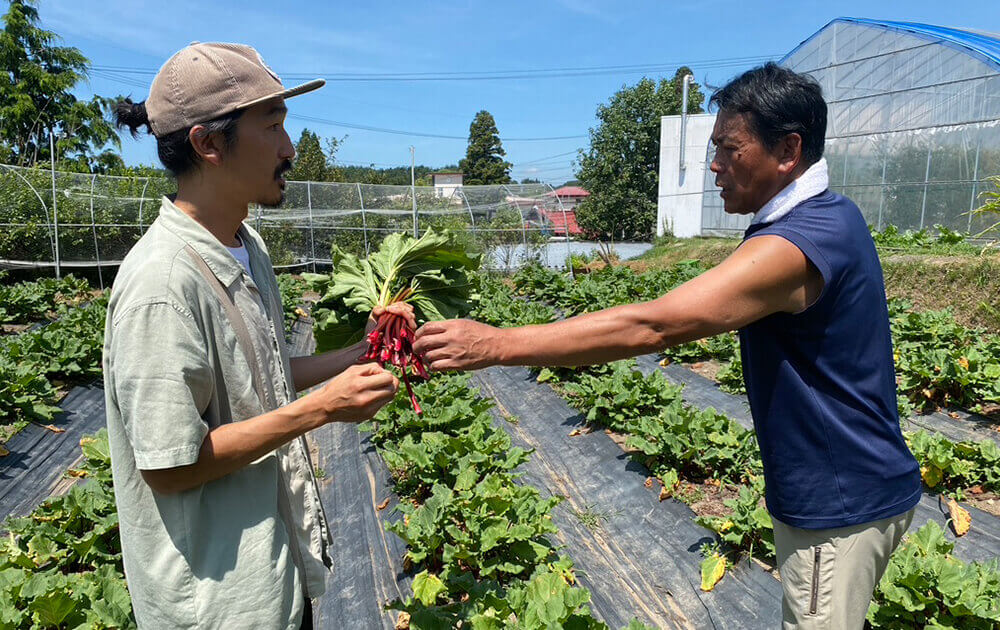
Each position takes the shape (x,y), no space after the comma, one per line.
(913,134)
(98,218)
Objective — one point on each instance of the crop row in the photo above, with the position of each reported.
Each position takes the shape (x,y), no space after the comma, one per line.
(41,300)
(61,566)
(476,537)
(938,361)
(693,452)
(36,366)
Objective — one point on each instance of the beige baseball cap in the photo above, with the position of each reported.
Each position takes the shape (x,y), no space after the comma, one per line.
(204,81)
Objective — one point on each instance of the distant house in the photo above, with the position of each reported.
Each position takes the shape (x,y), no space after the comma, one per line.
(558,220)
(561,215)
(570,196)
(446,183)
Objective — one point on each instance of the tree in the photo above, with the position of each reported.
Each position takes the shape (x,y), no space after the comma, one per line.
(334,173)
(530,180)
(36,79)
(392,176)
(621,167)
(310,162)
(483,162)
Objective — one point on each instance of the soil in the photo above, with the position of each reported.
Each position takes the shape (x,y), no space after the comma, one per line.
(988,502)
(709,369)
(712,502)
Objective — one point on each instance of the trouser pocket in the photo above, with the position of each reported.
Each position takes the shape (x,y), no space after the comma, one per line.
(814,587)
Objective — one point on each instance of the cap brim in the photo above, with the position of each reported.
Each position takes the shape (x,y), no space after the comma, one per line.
(309,86)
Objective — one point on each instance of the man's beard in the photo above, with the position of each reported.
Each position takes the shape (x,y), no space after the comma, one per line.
(278,172)
(274,205)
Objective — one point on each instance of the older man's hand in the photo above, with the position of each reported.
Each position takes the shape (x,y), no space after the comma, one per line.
(401,309)
(458,344)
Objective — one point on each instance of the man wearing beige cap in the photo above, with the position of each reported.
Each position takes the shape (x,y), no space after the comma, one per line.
(220,515)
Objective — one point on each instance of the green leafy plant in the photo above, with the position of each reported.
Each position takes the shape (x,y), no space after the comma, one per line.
(497,307)
(957,466)
(748,525)
(730,377)
(61,566)
(924,586)
(429,273)
(65,351)
(618,398)
(27,302)
(291,287)
(475,536)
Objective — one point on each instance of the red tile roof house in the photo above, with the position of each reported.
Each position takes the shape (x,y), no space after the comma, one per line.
(570,197)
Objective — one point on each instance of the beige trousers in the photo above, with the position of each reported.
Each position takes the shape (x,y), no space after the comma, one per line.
(828,575)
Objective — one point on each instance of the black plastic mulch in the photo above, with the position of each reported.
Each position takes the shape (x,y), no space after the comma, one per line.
(354,483)
(39,457)
(639,556)
(367,560)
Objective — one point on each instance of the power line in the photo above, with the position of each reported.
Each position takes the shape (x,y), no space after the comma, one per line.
(547,170)
(126,80)
(114,76)
(546,158)
(549,164)
(493,75)
(400,132)
(122,74)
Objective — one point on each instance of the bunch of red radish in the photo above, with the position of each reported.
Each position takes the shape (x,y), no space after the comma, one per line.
(392,342)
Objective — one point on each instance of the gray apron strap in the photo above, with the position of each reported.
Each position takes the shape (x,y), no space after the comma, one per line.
(243,339)
(236,320)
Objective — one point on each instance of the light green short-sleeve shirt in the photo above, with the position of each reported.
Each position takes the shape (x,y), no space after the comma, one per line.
(241,551)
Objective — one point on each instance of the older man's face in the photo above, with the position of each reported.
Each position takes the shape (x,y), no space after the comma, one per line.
(745,170)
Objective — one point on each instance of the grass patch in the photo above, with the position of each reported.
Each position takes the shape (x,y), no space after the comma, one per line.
(592,518)
(960,277)
(968,285)
(710,250)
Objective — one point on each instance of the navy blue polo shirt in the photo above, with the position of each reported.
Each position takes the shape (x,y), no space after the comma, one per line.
(822,385)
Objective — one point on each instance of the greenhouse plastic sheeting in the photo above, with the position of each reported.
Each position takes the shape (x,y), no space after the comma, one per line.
(912,134)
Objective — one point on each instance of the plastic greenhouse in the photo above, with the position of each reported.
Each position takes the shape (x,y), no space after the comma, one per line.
(913,129)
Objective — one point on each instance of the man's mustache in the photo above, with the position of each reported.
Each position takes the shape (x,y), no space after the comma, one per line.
(284,168)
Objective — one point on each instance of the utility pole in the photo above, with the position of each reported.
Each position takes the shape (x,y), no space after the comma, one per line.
(684,118)
(413,192)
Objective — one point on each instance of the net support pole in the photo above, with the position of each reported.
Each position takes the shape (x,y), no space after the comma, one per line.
(312,237)
(93,225)
(927,176)
(364,221)
(55,209)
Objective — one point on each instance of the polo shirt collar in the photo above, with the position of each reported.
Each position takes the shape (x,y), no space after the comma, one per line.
(225,267)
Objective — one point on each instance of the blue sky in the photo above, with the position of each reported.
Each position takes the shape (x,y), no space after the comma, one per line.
(306,39)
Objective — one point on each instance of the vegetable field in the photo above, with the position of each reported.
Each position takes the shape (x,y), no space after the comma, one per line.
(626,495)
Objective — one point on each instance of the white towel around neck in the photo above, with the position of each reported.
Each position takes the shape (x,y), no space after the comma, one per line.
(811,183)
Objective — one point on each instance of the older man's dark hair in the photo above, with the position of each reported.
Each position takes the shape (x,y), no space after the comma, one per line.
(777,102)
